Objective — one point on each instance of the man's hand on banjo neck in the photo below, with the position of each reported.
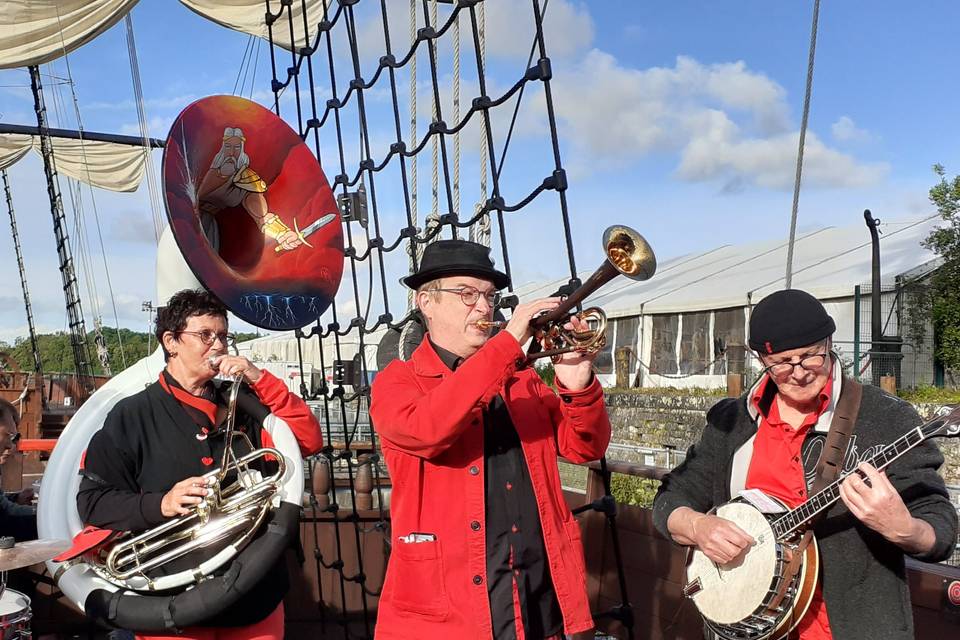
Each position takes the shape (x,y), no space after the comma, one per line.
(718,538)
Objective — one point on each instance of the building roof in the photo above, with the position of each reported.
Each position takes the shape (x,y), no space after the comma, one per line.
(828,262)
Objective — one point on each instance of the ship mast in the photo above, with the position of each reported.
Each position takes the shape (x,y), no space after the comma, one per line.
(78,333)
(37,366)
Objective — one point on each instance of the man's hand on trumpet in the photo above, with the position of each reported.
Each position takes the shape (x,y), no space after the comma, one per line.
(575,369)
(519,324)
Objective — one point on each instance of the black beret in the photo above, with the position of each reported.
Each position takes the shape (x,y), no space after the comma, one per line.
(788,319)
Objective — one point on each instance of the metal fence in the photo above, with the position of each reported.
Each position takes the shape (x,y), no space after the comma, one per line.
(905,348)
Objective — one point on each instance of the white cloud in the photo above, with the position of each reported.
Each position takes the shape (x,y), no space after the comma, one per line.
(568,29)
(135,227)
(508,31)
(726,121)
(846,130)
(157,126)
(719,154)
(149,104)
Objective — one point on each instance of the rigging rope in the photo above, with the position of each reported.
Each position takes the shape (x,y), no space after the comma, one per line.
(244,66)
(368,247)
(412,248)
(433,220)
(102,352)
(149,170)
(456,113)
(481,230)
(803,136)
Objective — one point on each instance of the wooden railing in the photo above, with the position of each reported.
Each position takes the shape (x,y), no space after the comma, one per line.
(654,571)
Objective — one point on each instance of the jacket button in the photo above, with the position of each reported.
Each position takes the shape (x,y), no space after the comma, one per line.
(477,579)
(475,525)
(566,398)
(520,362)
(474,470)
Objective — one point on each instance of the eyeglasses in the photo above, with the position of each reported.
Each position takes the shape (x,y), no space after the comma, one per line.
(208,337)
(470,295)
(808,363)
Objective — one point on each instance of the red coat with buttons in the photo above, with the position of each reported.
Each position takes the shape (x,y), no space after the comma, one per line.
(430,420)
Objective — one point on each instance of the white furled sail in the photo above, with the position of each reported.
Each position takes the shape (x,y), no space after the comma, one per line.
(107,165)
(248,16)
(33,32)
(13,146)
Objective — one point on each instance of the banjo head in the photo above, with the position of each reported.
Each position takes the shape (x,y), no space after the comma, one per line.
(733,592)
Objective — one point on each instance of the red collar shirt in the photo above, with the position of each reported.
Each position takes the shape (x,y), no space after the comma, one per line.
(777,469)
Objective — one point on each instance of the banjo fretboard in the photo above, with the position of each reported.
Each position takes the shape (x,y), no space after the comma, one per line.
(796,518)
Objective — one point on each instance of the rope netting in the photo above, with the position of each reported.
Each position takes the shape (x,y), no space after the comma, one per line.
(382,91)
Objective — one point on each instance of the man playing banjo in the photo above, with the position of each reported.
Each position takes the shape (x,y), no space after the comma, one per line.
(771,438)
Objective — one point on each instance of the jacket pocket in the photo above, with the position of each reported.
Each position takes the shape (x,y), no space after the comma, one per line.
(574,555)
(419,587)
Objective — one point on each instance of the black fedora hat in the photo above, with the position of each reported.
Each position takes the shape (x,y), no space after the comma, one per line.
(456,258)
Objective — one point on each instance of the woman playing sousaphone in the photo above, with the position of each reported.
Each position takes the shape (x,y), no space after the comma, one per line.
(146,465)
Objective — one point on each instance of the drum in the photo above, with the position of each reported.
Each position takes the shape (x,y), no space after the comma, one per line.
(14,616)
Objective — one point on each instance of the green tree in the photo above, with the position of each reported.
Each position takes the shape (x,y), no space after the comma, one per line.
(125,347)
(942,301)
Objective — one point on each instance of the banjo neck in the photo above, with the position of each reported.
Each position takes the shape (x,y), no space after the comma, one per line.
(821,501)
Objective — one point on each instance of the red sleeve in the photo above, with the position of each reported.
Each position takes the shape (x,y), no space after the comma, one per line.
(580,420)
(425,424)
(290,408)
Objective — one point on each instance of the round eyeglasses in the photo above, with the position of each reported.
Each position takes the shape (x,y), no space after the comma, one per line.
(470,295)
(812,362)
(208,337)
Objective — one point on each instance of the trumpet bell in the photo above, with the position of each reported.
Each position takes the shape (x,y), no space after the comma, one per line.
(629,252)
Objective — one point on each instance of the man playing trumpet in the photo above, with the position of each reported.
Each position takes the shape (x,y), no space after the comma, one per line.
(484,544)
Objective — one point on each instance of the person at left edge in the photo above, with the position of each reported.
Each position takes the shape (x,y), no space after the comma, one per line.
(144,466)
(18,516)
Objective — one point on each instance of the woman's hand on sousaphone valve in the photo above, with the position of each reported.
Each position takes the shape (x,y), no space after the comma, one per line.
(184,496)
(233,366)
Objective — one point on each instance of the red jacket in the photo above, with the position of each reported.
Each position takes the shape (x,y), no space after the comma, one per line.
(431,427)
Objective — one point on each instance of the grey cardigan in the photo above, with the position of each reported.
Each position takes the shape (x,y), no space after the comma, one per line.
(863,574)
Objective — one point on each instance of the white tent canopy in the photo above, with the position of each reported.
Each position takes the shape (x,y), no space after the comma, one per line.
(828,262)
(283,348)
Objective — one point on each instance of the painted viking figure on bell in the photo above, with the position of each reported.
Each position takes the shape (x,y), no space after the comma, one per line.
(230,182)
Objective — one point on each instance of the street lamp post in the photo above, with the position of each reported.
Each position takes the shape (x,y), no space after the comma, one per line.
(148,307)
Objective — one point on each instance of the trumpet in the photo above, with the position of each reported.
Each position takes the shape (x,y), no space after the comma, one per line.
(627,254)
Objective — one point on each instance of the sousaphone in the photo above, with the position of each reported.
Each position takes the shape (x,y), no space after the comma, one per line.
(253,220)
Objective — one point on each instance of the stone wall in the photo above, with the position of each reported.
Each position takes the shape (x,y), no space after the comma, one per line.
(676,421)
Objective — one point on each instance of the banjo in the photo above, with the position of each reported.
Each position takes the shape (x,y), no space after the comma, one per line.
(765,592)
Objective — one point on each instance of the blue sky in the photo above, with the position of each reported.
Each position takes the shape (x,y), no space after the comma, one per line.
(677,118)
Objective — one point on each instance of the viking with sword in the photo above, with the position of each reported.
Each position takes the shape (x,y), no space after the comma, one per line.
(230,182)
